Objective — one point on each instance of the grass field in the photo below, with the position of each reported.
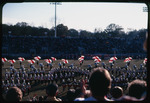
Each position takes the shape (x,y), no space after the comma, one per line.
(39,90)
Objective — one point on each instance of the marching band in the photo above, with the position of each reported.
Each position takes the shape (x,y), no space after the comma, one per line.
(67,77)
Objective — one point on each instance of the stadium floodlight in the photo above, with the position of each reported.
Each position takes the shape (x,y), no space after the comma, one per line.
(145,9)
(55,3)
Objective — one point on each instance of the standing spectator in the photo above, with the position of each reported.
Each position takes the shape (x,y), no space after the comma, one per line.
(52,91)
(14,94)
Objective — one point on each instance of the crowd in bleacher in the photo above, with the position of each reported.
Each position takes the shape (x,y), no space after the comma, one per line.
(73,45)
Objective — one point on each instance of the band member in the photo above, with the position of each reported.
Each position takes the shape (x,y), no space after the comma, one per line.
(50,65)
(61,77)
(63,65)
(7,88)
(87,82)
(7,73)
(18,84)
(28,88)
(35,78)
(56,78)
(78,83)
(36,72)
(17,77)
(39,71)
(111,64)
(11,72)
(11,67)
(38,78)
(64,84)
(27,78)
(69,75)
(6,77)
(69,83)
(66,76)
(24,72)
(31,65)
(3,86)
(72,75)
(81,62)
(45,78)
(24,82)
(75,84)
(23,90)
(43,71)
(30,78)
(22,68)
(16,73)
(42,78)
(12,84)
(82,72)
(33,68)
(48,78)
(60,65)
(95,64)
(8,84)
(52,78)
(104,65)
(12,78)
(20,72)
(22,78)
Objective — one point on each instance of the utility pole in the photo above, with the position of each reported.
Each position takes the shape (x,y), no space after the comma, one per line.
(55,3)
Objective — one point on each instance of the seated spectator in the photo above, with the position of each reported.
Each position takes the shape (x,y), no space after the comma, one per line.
(137,88)
(52,91)
(70,95)
(78,95)
(100,84)
(116,93)
(14,94)
(81,94)
(41,98)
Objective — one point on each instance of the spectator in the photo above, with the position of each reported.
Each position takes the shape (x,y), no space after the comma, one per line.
(145,42)
(14,94)
(52,91)
(116,92)
(78,95)
(100,84)
(137,88)
(41,98)
(70,95)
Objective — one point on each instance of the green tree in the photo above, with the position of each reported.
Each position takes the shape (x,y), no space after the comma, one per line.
(62,30)
(72,33)
(114,30)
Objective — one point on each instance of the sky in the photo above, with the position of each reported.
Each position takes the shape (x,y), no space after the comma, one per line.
(77,15)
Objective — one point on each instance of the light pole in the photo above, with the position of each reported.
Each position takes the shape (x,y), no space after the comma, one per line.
(145,9)
(55,3)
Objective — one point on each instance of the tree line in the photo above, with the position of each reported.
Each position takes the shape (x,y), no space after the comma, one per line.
(112,30)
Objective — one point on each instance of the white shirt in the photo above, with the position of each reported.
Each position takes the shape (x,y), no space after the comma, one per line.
(79,99)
